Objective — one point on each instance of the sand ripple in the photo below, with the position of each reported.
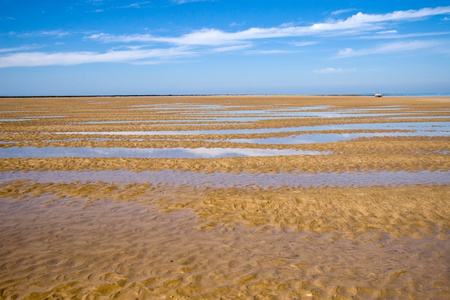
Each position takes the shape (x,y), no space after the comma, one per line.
(99,251)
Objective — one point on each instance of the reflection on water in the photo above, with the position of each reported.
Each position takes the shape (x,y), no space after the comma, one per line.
(301,114)
(47,152)
(31,118)
(329,137)
(179,106)
(442,127)
(219,179)
(423,117)
(14,120)
(253,118)
(289,140)
(229,114)
(206,122)
(224,108)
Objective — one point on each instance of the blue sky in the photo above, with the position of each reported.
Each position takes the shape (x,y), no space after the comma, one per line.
(105,47)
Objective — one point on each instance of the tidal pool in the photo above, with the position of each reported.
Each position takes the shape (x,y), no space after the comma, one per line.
(220,179)
(298,112)
(178,106)
(48,152)
(301,114)
(423,117)
(14,120)
(329,137)
(206,122)
(31,118)
(213,114)
(442,127)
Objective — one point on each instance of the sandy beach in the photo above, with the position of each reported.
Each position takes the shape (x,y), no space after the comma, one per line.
(227,197)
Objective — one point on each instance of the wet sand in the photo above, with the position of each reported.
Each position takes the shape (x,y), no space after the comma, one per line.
(212,232)
(100,251)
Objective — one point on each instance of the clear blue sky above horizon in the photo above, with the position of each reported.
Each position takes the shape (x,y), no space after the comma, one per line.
(106,47)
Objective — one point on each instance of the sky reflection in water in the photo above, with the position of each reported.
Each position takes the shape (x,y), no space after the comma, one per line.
(219,179)
(442,127)
(48,152)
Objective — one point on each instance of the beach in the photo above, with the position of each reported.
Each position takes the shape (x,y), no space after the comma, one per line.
(225,197)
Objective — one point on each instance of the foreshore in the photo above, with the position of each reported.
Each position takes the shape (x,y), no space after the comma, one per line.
(193,237)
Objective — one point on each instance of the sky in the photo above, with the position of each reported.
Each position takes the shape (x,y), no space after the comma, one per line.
(159,47)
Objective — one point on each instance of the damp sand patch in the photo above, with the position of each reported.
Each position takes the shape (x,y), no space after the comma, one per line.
(98,251)
(416,211)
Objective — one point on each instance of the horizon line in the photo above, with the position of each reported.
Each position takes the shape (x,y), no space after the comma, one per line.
(225,94)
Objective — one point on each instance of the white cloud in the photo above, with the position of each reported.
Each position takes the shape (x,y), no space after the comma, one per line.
(107,38)
(188,1)
(209,40)
(387,48)
(134,5)
(304,44)
(95,2)
(361,20)
(342,11)
(53,33)
(20,48)
(393,35)
(358,23)
(56,33)
(387,32)
(275,51)
(333,70)
(75,58)
(237,24)
(232,48)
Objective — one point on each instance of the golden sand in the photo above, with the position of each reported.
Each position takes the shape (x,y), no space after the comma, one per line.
(414,211)
(129,250)
(280,164)
(98,240)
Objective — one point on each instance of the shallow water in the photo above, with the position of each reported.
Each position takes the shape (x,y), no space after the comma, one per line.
(295,112)
(225,108)
(14,120)
(179,106)
(219,179)
(442,127)
(422,117)
(289,140)
(175,234)
(330,137)
(223,113)
(206,122)
(197,122)
(46,152)
(302,114)
(276,116)
(216,113)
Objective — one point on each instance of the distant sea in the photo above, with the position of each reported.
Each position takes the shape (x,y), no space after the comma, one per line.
(168,95)
(411,94)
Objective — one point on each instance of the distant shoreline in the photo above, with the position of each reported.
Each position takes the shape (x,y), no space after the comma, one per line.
(209,95)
